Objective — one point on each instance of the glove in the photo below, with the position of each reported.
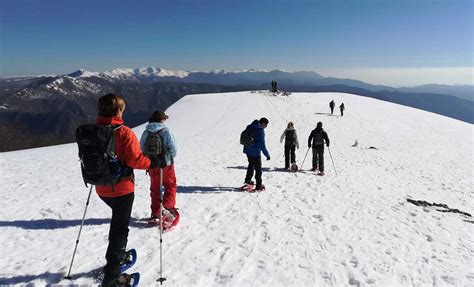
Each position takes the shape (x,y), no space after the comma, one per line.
(157,161)
(327,145)
(268,157)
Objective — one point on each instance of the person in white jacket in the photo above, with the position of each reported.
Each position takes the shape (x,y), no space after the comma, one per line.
(291,143)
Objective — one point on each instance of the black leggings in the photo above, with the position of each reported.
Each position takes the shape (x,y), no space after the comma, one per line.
(118,233)
(255,163)
(318,158)
(290,156)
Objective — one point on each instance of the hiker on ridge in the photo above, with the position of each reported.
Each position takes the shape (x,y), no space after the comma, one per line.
(332,105)
(119,196)
(342,108)
(156,130)
(291,143)
(253,153)
(316,140)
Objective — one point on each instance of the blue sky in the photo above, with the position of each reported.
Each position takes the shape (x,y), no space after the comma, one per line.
(54,37)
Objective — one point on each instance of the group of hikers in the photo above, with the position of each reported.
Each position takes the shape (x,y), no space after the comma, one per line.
(132,153)
(341,107)
(119,195)
(316,140)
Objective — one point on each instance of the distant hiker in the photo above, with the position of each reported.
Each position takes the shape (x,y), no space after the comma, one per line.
(256,128)
(274,86)
(342,108)
(158,136)
(316,140)
(119,196)
(332,105)
(291,142)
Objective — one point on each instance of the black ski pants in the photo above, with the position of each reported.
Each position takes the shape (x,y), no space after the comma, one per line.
(290,156)
(255,163)
(318,157)
(332,110)
(116,251)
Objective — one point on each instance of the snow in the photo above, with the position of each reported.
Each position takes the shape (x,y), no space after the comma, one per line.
(353,228)
(147,71)
(118,72)
(87,74)
(124,73)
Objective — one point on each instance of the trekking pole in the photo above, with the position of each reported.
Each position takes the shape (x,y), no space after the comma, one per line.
(77,241)
(301,168)
(332,161)
(161,279)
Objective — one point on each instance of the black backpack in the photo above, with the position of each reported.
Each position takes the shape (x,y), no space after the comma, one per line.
(318,138)
(247,137)
(290,137)
(99,163)
(154,144)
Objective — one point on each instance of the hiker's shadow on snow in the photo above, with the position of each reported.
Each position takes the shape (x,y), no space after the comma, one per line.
(206,189)
(52,223)
(49,278)
(327,114)
(245,168)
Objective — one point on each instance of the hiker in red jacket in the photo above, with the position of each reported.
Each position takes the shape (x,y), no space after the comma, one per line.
(119,197)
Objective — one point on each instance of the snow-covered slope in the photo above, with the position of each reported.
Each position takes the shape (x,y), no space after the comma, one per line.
(353,228)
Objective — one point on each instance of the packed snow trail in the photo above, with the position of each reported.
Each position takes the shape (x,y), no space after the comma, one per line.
(355,228)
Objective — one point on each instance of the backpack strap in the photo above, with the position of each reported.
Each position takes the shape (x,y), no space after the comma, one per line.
(111,145)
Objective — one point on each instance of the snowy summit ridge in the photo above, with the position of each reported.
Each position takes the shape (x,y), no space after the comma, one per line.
(353,228)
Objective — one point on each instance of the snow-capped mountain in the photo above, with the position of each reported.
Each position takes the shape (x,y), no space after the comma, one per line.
(144,74)
(355,227)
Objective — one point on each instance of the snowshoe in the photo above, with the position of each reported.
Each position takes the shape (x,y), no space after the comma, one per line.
(129,261)
(248,187)
(321,173)
(258,189)
(170,218)
(294,167)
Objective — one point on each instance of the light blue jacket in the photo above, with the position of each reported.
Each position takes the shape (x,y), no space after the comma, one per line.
(168,138)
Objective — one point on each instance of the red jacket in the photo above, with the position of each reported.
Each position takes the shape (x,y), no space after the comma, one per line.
(127,149)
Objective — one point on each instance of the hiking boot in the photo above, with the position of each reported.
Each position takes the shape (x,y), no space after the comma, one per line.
(249,182)
(313,169)
(321,173)
(123,279)
(260,188)
(127,257)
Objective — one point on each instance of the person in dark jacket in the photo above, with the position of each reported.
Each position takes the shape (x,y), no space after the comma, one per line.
(332,105)
(291,143)
(253,152)
(342,108)
(119,197)
(316,140)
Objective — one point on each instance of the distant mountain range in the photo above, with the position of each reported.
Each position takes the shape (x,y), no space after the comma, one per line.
(43,110)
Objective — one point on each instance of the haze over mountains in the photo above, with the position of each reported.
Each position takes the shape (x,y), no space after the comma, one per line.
(44,110)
